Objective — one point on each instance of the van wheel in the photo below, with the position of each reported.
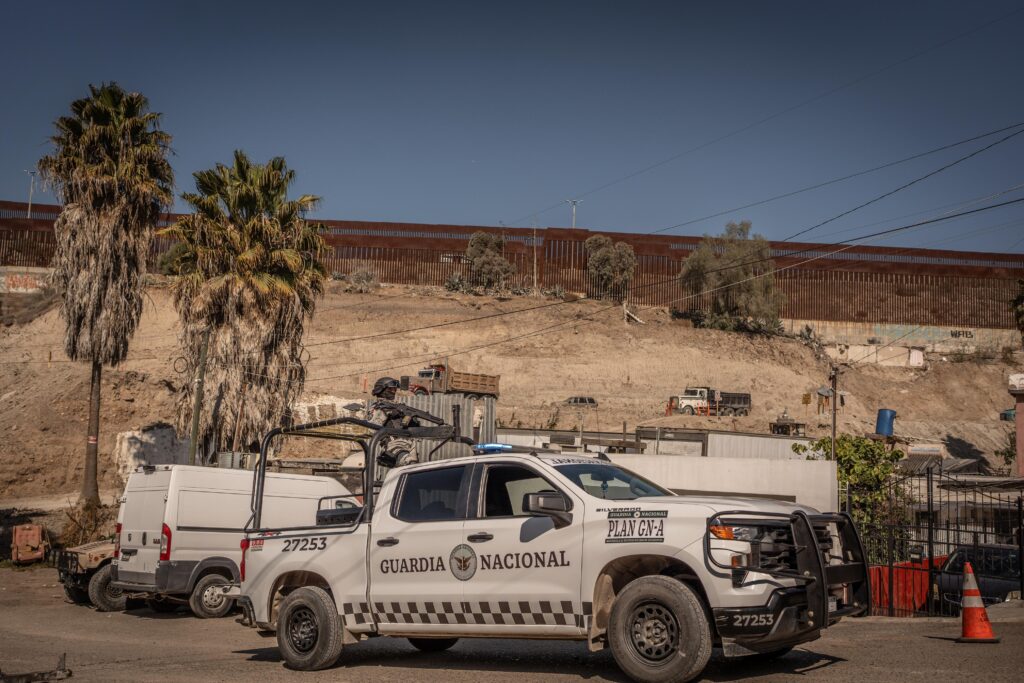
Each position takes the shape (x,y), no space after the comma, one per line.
(207,601)
(76,594)
(659,631)
(309,629)
(102,595)
(432,644)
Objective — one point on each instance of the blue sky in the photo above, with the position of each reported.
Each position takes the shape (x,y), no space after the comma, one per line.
(482,113)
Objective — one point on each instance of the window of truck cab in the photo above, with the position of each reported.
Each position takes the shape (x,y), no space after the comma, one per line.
(608,481)
(432,495)
(504,487)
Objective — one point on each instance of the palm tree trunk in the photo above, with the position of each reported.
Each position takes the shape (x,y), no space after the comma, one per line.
(90,487)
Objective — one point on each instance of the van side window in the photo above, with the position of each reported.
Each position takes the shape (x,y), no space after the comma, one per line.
(431,495)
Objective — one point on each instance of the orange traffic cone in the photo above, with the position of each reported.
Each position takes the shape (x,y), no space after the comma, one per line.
(976,626)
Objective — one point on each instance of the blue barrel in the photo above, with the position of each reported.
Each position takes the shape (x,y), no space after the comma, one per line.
(886,418)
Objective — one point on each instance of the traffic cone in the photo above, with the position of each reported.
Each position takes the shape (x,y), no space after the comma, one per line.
(976,626)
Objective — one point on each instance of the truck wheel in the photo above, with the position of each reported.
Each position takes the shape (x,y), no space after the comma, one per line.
(432,644)
(687,410)
(309,630)
(659,631)
(102,595)
(419,392)
(207,601)
(726,411)
(76,595)
(742,412)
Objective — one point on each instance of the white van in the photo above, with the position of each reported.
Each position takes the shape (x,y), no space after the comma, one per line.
(179,528)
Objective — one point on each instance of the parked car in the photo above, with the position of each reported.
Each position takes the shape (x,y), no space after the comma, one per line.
(179,528)
(581,401)
(996,568)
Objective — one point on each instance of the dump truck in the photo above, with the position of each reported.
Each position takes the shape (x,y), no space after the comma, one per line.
(709,401)
(439,378)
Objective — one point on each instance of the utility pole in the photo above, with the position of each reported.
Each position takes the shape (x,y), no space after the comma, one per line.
(31,189)
(834,378)
(197,402)
(573,202)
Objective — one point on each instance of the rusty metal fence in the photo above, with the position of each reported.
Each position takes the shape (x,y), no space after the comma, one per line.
(856,284)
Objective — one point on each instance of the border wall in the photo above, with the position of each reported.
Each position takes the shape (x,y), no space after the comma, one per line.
(860,284)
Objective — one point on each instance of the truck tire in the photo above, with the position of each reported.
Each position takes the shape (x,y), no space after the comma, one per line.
(742,412)
(659,631)
(432,644)
(76,594)
(102,595)
(687,410)
(726,411)
(309,630)
(207,601)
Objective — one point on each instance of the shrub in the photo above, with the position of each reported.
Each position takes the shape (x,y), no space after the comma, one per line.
(610,265)
(488,267)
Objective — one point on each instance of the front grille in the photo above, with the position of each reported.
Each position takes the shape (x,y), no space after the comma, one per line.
(777,550)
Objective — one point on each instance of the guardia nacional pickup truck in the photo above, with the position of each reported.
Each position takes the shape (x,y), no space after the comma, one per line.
(543,545)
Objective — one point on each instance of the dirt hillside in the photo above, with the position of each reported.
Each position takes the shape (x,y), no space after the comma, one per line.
(630,370)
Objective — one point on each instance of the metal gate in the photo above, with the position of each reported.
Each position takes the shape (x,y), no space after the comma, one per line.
(918,532)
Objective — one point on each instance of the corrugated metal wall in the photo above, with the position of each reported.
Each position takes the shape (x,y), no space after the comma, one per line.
(440,405)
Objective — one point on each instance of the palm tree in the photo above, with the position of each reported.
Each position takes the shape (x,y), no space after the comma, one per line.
(110,172)
(250,275)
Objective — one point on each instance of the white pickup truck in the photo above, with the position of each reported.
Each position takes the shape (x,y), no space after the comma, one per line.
(540,545)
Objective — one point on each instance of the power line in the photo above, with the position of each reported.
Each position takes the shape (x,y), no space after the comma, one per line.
(840,179)
(906,185)
(771,117)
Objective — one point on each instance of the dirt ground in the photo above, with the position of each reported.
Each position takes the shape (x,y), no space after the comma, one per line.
(140,645)
(630,370)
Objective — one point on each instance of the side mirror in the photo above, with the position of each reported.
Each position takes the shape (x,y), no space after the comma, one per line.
(549,504)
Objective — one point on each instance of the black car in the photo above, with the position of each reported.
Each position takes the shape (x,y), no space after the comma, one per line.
(996,568)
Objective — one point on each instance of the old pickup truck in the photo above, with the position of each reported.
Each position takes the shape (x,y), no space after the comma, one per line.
(439,378)
(536,544)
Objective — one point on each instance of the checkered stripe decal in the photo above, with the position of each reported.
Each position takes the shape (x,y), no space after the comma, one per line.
(499,613)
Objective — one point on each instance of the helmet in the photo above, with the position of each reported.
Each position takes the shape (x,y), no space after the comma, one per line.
(383,384)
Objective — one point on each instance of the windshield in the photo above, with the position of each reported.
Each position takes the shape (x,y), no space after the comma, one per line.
(610,482)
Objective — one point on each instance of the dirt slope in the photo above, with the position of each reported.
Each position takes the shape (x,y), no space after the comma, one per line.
(629,370)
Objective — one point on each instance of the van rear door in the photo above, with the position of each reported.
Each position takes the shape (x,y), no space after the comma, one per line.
(144,503)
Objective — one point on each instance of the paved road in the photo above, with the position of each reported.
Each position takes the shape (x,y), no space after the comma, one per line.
(36,625)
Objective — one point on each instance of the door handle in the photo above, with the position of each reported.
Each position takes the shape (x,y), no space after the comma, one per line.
(386,542)
(482,537)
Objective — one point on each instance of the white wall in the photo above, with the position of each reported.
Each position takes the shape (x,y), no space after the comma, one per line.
(809,482)
(735,445)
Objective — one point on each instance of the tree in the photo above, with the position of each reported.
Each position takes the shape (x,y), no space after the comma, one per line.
(110,172)
(610,265)
(736,272)
(488,267)
(250,273)
(867,468)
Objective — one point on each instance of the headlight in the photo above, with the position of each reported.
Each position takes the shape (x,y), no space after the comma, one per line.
(735,533)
